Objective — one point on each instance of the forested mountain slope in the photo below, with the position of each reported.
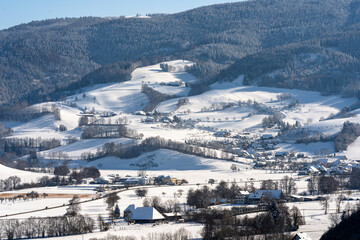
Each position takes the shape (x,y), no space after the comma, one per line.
(43,57)
(319,66)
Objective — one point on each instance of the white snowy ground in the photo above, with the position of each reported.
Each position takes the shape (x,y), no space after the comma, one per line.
(45,126)
(143,231)
(74,189)
(19,206)
(353,150)
(307,149)
(26,176)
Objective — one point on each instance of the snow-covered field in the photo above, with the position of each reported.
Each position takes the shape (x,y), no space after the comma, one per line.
(26,176)
(353,150)
(46,127)
(143,231)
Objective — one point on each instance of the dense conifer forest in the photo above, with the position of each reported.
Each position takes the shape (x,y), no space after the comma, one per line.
(45,60)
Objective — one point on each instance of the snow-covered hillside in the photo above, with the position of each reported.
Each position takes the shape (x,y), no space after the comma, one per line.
(313,107)
(229,106)
(127,97)
(26,176)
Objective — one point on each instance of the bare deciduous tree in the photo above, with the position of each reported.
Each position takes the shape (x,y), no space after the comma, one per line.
(325,203)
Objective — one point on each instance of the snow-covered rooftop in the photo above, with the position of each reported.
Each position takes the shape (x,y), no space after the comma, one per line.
(146,213)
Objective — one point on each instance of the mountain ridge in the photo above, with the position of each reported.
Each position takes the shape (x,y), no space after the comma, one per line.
(43,57)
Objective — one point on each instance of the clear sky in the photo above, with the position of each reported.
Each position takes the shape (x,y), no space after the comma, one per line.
(14,12)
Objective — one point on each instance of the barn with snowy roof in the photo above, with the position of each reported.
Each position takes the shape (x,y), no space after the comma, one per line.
(146,215)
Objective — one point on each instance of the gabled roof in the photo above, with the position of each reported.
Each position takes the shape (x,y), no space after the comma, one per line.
(322,168)
(130,208)
(301,236)
(243,193)
(312,168)
(146,213)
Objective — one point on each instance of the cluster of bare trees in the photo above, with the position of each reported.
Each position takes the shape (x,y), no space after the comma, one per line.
(57,155)
(45,227)
(322,185)
(155,143)
(152,144)
(78,176)
(23,146)
(24,197)
(110,131)
(287,185)
(170,205)
(9,183)
(203,197)
(21,112)
(259,108)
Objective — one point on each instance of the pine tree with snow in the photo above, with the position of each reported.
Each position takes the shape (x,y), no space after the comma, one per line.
(116,211)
